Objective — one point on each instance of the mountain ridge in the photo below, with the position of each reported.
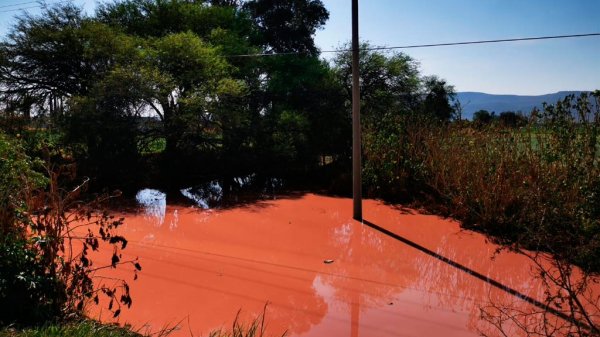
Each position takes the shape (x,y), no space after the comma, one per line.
(472,101)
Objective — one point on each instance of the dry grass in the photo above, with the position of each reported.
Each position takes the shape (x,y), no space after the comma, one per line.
(537,186)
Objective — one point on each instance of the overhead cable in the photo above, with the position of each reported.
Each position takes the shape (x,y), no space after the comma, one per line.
(39,5)
(20,4)
(446,44)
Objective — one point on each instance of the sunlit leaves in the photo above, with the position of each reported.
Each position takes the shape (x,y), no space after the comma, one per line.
(189,60)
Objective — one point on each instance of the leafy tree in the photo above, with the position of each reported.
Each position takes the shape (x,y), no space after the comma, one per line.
(388,84)
(438,95)
(512,119)
(300,89)
(61,63)
(483,117)
(288,25)
(162,17)
(38,58)
(200,97)
(395,98)
(146,70)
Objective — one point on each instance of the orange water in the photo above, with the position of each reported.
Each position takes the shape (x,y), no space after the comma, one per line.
(201,266)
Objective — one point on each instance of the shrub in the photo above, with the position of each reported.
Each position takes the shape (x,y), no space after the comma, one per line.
(46,234)
(538,185)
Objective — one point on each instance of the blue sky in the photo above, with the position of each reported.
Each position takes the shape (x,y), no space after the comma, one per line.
(533,67)
(513,68)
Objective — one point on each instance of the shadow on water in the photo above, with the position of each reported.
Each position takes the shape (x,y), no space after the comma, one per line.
(473,273)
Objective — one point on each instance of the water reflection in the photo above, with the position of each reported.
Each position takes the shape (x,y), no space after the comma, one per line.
(154,205)
(208,195)
(205,195)
(175,220)
(220,261)
(219,192)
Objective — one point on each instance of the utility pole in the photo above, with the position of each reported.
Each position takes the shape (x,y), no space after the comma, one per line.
(356,143)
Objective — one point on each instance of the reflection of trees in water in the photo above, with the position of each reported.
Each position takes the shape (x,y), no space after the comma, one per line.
(205,195)
(209,282)
(448,287)
(571,304)
(375,279)
(370,271)
(227,191)
(440,284)
(303,312)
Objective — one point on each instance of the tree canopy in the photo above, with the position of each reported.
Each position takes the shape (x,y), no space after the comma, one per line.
(169,78)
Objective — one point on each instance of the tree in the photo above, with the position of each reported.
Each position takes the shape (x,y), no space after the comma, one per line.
(288,25)
(158,18)
(389,85)
(512,119)
(483,117)
(438,95)
(302,107)
(396,101)
(43,57)
(167,70)
(64,65)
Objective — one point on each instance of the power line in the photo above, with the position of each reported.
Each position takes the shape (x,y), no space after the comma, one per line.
(19,9)
(447,44)
(431,45)
(20,4)
(487,41)
(40,5)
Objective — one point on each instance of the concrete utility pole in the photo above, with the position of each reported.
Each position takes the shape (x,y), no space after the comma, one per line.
(356,143)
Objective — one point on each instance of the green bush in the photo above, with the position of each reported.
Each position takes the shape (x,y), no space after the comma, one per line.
(84,328)
(46,272)
(536,186)
(27,292)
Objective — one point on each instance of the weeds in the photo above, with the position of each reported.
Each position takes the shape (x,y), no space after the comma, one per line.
(256,328)
(572,308)
(534,187)
(46,272)
(85,328)
(537,186)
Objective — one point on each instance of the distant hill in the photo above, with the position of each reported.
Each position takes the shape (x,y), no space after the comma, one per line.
(475,101)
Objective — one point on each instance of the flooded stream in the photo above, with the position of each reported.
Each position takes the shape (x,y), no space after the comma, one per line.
(321,273)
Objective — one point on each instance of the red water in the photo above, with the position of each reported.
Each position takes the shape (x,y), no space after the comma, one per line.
(201,266)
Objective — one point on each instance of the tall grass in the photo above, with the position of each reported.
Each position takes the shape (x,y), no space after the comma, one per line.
(256,328)
(537,186)
(85,328)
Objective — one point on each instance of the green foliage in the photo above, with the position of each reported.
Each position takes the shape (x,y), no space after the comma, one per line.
(483,117)
(23,278)
(140,72)
(535,186)
(45,265)
(512,119)
(17,178)
(438,97)
(84,328)
(28,294)
(288,25)
(190,61)
(390,85)
(156,18)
